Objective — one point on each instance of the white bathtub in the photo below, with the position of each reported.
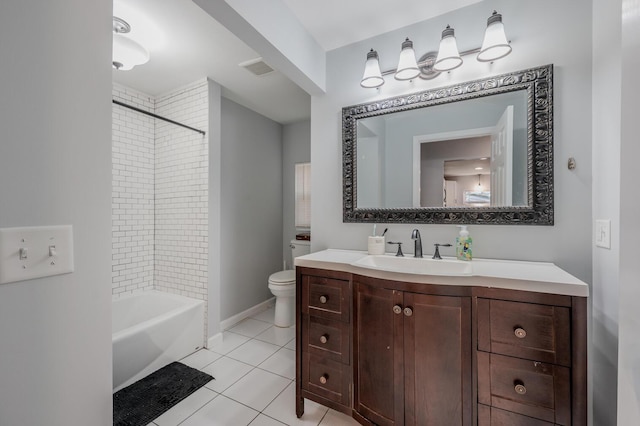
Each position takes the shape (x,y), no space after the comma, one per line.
(151,330)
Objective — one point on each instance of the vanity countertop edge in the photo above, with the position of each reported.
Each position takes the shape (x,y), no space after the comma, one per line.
(541,277)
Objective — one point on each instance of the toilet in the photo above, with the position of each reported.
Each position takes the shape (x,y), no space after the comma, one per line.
(283,286)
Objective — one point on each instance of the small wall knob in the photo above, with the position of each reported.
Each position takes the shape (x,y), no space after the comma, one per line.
(520,389)
(520,333)
(324,338)
(323,379)
(397,309)
(408,311)
(323,299)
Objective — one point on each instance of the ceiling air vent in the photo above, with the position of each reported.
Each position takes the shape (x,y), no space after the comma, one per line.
(257,67)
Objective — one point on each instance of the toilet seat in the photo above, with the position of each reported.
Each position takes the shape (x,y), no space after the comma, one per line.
(287,277)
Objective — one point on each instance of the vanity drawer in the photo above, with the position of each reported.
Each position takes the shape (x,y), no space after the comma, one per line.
(526,330)
(530,388)
(327,378)
(326,338)
(326,297)
(491,416)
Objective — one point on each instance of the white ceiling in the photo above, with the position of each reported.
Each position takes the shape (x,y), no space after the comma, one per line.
(186,44)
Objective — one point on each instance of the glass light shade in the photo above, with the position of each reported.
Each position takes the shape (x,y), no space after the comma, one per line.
(448,55)
(407,65)
(127,53)
(495,44)
(372,76)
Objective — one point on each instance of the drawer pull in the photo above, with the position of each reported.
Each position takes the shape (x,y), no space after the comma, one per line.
(324,338)
(323,379)
(323,299)
(408,311)
(397,309)
(520,389)
(520,333)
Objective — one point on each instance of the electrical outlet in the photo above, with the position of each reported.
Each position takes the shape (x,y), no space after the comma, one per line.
(603,233)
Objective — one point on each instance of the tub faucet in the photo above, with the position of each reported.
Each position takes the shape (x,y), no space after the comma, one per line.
(415,235)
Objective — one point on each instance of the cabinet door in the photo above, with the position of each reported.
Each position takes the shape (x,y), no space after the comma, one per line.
(378,355)
(437,360)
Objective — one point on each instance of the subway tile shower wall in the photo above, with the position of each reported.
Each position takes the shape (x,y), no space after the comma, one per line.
(160,193)
(133,201)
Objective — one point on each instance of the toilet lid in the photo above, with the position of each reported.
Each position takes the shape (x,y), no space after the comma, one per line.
(283,277)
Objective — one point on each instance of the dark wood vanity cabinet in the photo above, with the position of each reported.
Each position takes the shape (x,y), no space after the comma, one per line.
(412,356)
(398,353)
(323,339)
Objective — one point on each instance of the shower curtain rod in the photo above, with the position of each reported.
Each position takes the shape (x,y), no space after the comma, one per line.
(202,132)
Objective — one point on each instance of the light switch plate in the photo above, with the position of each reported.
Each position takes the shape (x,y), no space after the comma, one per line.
(603,233)
(35,252)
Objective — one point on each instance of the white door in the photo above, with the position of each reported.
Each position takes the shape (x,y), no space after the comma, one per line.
(502,160)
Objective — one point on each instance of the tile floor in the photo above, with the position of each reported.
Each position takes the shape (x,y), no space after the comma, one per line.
(254,370)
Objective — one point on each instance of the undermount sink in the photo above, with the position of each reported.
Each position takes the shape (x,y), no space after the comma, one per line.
(412,265)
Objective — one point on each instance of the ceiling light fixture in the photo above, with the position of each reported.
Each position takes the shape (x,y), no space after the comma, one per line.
(494,46)
(127,53)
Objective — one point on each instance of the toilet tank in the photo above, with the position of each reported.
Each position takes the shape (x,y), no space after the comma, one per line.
(300,247)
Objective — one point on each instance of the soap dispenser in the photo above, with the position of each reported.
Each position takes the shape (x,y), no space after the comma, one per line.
(463,244)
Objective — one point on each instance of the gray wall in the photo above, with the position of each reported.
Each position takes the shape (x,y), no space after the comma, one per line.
(296,148)
(541,35)
(55,169)
(250,207)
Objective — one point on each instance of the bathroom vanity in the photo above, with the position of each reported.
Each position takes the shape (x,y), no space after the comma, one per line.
(500,343)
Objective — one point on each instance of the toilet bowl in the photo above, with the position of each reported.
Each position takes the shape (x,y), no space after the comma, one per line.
(283,286)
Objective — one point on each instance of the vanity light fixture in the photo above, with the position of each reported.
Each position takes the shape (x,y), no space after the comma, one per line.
(448,56)
(407,65)
(372,76)
(494,46)
(127,53)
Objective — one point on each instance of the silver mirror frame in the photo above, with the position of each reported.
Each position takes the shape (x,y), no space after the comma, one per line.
(538,82)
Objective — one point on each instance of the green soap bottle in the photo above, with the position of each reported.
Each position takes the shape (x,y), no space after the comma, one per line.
(463,244)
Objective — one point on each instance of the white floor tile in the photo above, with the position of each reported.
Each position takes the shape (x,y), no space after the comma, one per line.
(283,408)
(253,352)
(250,327)
(263,420)
(335,418)
(277,335)
(267,315)
(222,411)
(291,345)
(282,363)
(229,342)
(200,359)
(257,389)
(186,407)
(226,371)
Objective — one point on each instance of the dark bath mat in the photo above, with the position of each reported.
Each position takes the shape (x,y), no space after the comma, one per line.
(140,403)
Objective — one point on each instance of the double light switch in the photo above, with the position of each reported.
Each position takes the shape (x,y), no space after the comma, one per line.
(35,252)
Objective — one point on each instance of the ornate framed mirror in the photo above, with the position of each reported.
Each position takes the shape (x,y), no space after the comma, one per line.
(480,152)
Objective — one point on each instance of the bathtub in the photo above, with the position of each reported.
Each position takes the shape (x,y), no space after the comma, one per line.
(151,330)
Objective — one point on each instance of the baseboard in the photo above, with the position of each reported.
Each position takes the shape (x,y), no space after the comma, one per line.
(230,322)
(213,340)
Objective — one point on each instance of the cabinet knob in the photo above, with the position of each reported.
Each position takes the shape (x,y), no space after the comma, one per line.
(324,338)
(397,309)
(520,333)
(323,299)
(520,389)
(408,311)
(323,379)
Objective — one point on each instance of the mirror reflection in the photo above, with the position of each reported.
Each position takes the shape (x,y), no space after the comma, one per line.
(471,153)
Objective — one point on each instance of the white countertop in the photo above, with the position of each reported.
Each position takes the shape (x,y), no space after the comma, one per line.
(508,274)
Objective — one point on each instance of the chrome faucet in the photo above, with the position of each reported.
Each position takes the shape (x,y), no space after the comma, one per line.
(415,235)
